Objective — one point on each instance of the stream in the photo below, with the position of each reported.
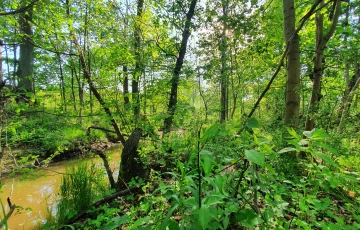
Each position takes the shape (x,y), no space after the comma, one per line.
(37,195)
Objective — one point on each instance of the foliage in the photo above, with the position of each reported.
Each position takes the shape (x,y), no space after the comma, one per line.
(245,172)
(79,188)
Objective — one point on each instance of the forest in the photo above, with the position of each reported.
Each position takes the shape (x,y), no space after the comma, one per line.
(224,114)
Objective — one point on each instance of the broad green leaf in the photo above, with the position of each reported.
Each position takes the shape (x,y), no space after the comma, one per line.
(211,132)
(268,214)
(252,123)
(207,161)
(255,157)
(204,216)
(115,222)
(287,149)
(326,159)
(248,218)
(173,225)
(139,222)
(328,148)
(316,134)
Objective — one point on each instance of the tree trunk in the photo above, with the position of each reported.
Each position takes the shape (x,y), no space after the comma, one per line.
(1,73)
(126,86)
(321,42)
(346,109)
(292,97)
(131,166)
(223,72)
(176,73)
(26,64)
(138,64)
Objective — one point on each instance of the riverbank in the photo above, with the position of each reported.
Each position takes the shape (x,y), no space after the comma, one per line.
(34,188)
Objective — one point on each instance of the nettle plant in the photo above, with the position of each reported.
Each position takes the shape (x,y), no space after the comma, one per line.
(241,188)
(324,196)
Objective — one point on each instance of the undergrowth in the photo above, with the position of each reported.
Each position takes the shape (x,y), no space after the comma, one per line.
(227,181)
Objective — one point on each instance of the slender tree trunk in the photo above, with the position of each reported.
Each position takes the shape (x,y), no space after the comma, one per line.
(126,86)
(62,82)
(346,110)
(125,68)
(292,97)
(349,82)
(1,60)
(321,41)
(223,72)
(15,66)
(176,73)
(80,92)
(138,64)
(73,87)
(26,65)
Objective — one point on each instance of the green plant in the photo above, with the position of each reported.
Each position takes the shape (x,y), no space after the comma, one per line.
(78,188)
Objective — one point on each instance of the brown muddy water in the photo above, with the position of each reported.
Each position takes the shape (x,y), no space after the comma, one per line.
(37,195)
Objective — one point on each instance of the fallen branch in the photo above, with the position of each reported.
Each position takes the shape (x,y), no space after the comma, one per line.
(104,200)
(8,215)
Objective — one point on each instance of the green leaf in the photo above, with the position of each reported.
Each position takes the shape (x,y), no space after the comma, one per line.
(252,123)
(293,133)
(287,149)
(270,168)
(268,214)
(328,148)
(248,218)
(204,216)
(173,225)
(140,222)
(115,222)
(326,159)
(255,157)
(316,134)
(211,132)
(207,161)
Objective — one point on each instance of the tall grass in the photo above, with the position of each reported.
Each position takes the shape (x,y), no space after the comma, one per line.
(78,189)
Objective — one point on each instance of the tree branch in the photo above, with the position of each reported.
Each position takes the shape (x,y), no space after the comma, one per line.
(21,10)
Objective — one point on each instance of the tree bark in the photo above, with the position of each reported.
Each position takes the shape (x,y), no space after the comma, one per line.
(131,165)
(292,97)
(321,41)
(26,64)
(223,72)
(126,86)
(1,73)
(138,61)
(178,66)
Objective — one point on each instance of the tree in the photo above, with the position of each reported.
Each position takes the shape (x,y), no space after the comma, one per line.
(321,41)
(175,79)
(292,97)
(26,65)
(138,60)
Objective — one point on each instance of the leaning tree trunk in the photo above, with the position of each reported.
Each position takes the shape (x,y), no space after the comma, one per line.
(131,166)
(178,66)
(292,97)
(26,64)
(321,42)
